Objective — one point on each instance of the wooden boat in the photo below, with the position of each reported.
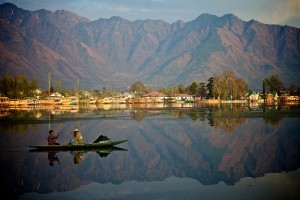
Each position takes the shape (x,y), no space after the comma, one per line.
(99,143)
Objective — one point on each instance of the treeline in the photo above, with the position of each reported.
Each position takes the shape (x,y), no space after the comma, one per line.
(18,86)
(225,85)
(274,84)
(228,86)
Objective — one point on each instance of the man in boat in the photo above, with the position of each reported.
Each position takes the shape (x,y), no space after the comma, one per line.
(78,139)
(52,138)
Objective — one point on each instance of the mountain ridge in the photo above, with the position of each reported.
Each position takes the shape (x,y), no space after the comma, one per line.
(119,52)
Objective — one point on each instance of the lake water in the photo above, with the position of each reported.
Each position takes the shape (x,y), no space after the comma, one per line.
(228,151)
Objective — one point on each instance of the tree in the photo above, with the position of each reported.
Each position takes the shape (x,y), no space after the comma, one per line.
(264,89)
(170,91)
(6,84)
(193,88)
(181,88)
(52,89)
(273,84)
(137,87)
(228,86)
(218,87)
(57,85)
(202,89)
(209,87)
(293,90)
(17,87)
(239,89)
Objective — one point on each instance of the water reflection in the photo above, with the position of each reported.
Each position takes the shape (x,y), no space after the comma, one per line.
(78,155)
(183,143)
(52,157)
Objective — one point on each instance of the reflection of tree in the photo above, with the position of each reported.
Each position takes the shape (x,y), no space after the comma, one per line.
(21,115)
(220,116)
(137,115)
(228,123)
(167,148)
(273,120)
(194,115)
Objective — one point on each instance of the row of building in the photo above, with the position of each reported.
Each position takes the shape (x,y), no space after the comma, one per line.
(131,98)
(58,99)
(271,97)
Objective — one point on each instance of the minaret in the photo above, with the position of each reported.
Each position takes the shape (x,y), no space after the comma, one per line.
(49,84)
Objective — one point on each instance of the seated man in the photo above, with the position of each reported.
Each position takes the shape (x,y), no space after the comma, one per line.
(78,139)
(52,138)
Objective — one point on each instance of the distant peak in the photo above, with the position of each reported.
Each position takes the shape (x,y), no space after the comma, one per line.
(230,15)
(203,20)
(178,24)
(8,5)
(253,22)
(42,11)
(64,12)
(206,15)
(116,18)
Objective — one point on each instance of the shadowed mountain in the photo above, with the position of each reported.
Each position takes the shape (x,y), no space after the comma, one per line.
(118,52)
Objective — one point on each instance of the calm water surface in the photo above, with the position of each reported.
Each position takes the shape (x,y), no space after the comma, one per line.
(183,152)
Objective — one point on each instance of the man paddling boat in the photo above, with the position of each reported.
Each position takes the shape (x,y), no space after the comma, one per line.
(52,138)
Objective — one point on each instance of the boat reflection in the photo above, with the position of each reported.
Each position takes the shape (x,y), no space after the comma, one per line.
(78,156)
(52,157)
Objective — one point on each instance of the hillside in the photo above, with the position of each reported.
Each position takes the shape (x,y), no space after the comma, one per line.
(117,52)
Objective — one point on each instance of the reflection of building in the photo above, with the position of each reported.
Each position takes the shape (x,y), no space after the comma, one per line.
(4,101)
(105,100)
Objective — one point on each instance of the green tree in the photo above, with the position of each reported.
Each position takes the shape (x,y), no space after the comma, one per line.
(6,84)
(170,91)
(273,84)
(17,87)
(202,89)
(209,87)
(52,89)
(193,88)
(264,89)
(137,87)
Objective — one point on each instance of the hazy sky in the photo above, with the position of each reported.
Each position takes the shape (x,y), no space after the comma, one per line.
(284,12)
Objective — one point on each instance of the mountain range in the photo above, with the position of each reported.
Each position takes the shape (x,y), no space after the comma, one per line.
(117,52)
